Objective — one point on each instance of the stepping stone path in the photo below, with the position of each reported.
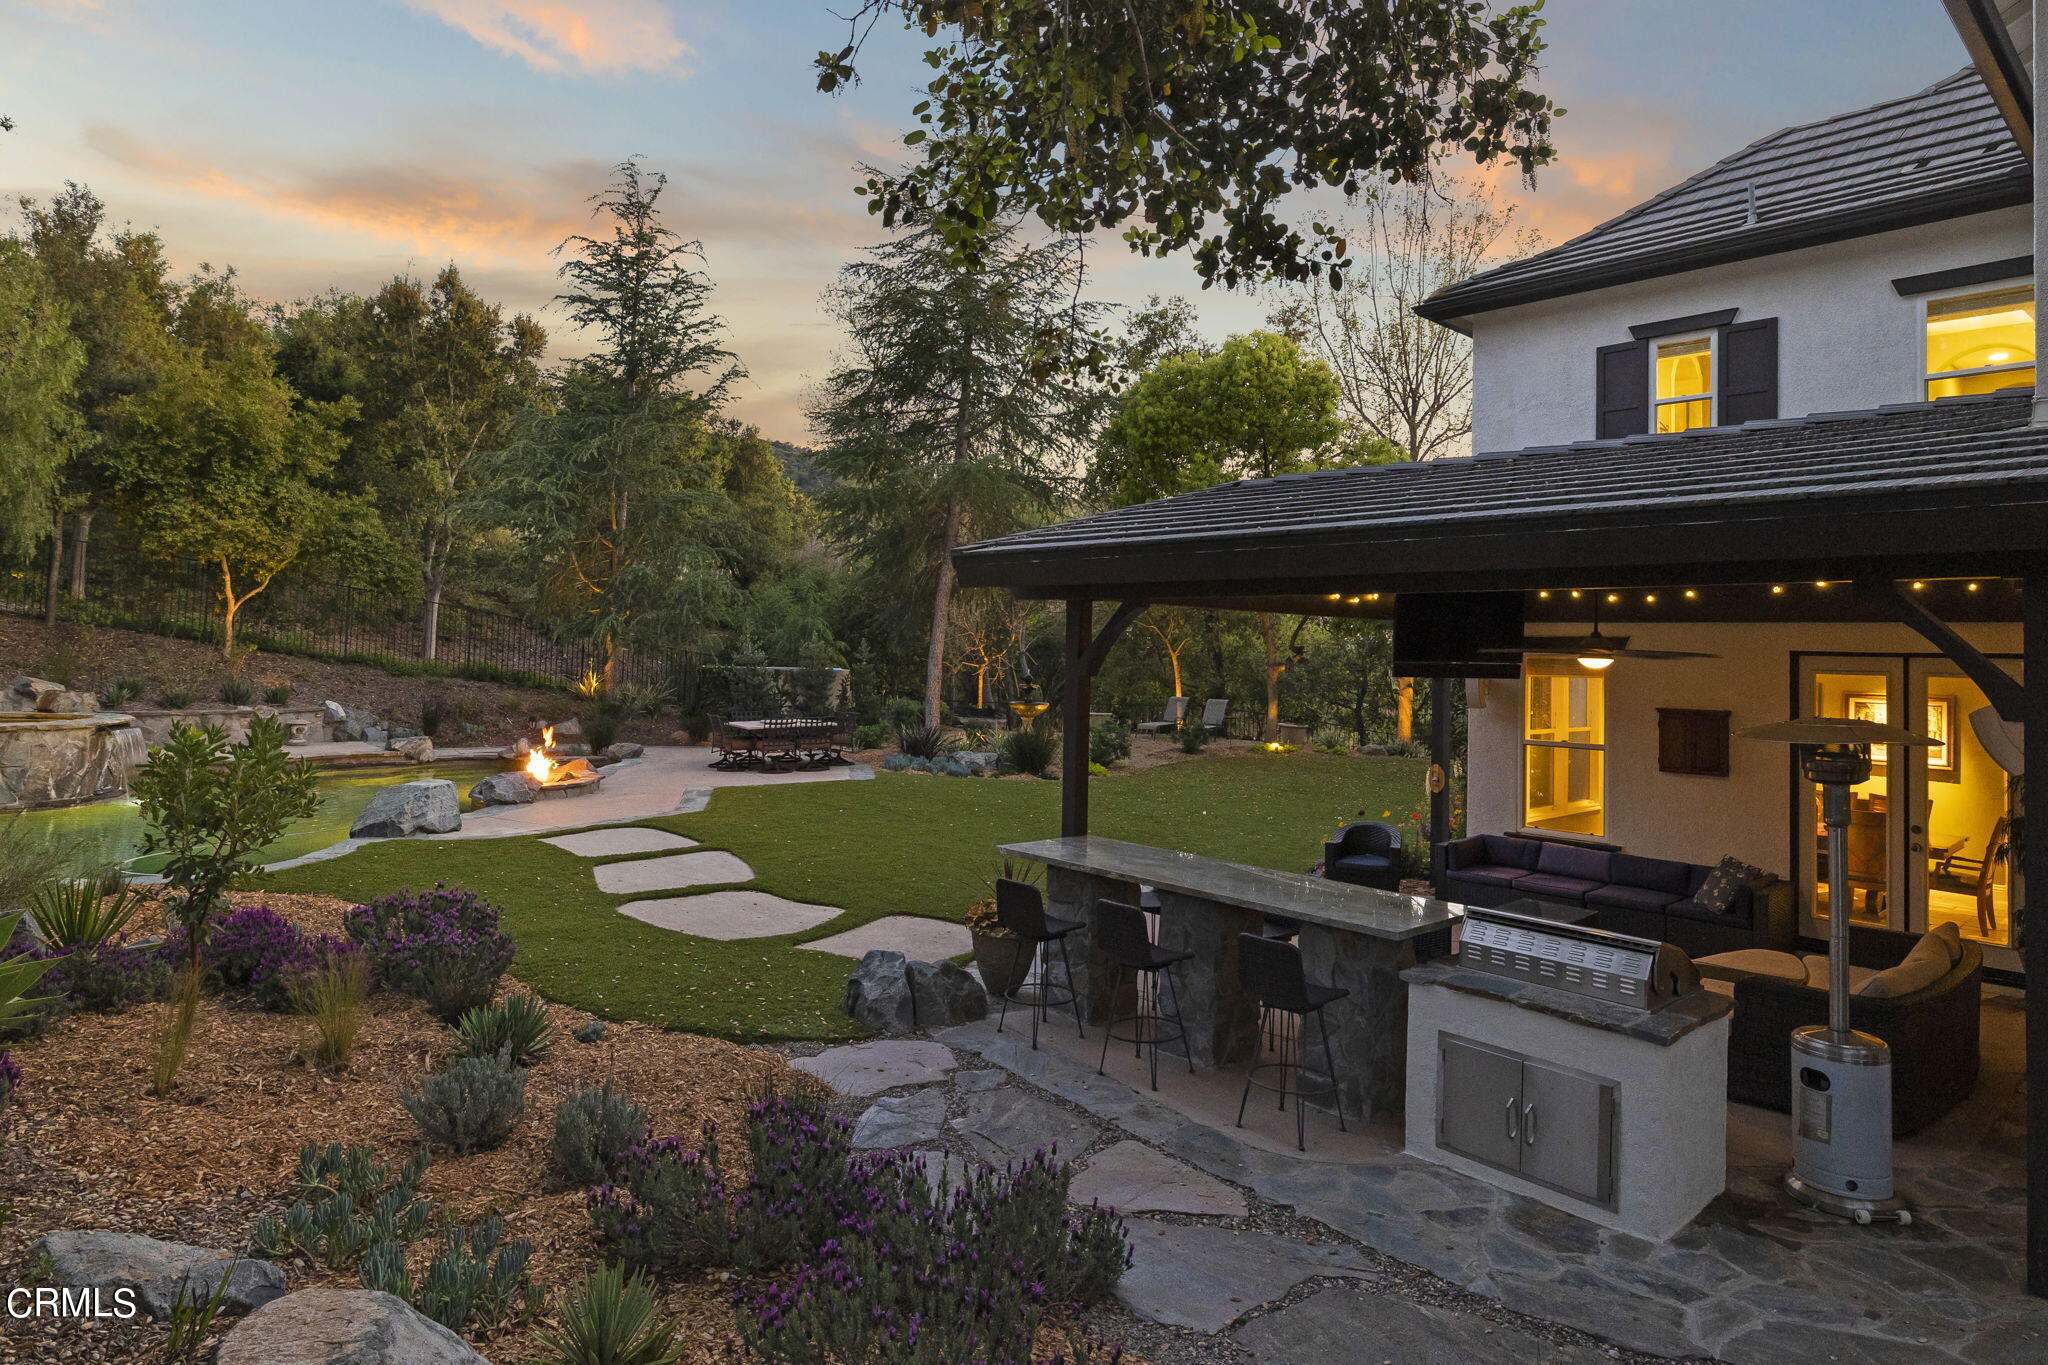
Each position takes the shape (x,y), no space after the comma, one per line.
(870,1068)
(612,843)
(1205,1277)
(1132,1178)
(729,915)
(902,1120)
(914,936)
(1344,1325)
(1011,1124)
(668,874)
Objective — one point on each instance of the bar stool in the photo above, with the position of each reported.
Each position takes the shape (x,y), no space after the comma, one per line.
(1120,934)
(1271,970)
(1021,910)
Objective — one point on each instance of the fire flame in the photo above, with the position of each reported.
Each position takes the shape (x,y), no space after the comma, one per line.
(539,766)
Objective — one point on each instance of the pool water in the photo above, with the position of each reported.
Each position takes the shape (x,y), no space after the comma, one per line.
(111,831)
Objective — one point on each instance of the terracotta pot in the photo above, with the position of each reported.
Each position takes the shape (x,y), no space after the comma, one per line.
(1003,962)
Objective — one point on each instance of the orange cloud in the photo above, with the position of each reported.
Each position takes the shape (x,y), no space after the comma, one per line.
(557,35)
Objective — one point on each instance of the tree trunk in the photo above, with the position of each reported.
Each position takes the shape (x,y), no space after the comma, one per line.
(942,604)
(1404,709)
(430,616)
(1173,658)
(81,532)
(228,607)
(56,567)
(1273,670)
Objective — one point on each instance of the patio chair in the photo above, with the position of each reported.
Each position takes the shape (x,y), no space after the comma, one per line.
(1135,958)
(1367,853)
(1169,719)
(1213,712)
(1020,908)
(1271,972)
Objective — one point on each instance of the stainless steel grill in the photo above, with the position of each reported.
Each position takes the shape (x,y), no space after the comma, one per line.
(1640,972)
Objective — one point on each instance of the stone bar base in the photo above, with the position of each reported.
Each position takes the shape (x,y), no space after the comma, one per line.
(1369,1027)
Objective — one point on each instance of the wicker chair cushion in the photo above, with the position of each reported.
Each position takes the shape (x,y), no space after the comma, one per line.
(1752,962)
(1927,963)
(1817,973)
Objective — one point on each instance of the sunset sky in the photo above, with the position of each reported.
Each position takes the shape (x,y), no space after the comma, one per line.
(333,144)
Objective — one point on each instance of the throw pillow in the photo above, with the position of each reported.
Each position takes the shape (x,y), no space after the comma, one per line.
(1717,892)
(1951,938)
(1926,964)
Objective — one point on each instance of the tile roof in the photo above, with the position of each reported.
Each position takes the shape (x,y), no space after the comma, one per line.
(1941,153)
(1968,446)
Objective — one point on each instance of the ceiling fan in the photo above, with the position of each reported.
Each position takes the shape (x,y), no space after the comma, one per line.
(1594,651)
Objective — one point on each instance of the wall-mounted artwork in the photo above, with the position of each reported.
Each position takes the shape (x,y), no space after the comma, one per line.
(1944,756)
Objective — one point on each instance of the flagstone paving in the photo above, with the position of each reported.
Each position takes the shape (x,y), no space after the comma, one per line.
(613,843)
(729,915)
(1013,1124)
(1343,1324)
(671,873)
(902,1120)
(916,937)
(1205,1277)
(1132,1178)
(871,1068)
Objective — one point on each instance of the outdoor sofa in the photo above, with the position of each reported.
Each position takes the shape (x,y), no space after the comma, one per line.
(1647,897)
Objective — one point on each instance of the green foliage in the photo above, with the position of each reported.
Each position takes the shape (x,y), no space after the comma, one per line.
(925,741)
(175,698)
(84,912)
(237,691)
(433,714)
(1187,124)
(340,1215)
(590,1031)
(192,1318)
(475,1283)
(280,695)
(611,1318)
(18,974)
(470,1105)
(516,1029)
(40,365)
(870,736)
(211,806)
(331,997)
(1025,751)
(354,1171)
(594,1130)
(1331,740)
(1194,736)
(174,1035)
(1109,742)
(120,692)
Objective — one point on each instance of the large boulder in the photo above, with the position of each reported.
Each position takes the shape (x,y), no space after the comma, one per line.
(878,993)
(623,750)
(570,729)
(333,713)
(506,789)
(355,723)
(428,806)
(159,1272)
(418,748)
(326,1326)
(943,994)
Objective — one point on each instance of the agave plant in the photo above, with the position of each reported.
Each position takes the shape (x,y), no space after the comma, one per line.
(86,912)
(18,974)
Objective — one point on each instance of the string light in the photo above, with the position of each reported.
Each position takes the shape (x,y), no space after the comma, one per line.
(1777,589)
(1372,597)
(1918,585)
(1972,587)
(1575,592)
(1690,594)
(1821,584)
(1544,594)
(1650,598)
(1614,597)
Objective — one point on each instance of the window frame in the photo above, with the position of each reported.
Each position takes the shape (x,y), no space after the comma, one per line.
(1712,336)
(1927,304)
(1562,669)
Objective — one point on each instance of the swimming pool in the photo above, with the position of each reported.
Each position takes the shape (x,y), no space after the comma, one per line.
(108,832)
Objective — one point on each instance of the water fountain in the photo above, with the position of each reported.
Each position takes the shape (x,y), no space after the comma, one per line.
(57,748)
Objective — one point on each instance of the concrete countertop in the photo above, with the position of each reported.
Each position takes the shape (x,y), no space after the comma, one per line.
(1660,1027)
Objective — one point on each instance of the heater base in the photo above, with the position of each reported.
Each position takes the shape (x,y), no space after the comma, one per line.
(1848,1205)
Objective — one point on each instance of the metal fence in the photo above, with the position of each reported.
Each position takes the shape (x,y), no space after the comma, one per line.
(328,620)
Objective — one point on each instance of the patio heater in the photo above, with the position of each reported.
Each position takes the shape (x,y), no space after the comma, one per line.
(1841,1079)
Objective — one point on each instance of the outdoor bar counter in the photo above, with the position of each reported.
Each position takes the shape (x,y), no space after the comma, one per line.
(1354,937)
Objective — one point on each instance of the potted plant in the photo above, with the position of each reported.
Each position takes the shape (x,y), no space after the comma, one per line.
(1001,959)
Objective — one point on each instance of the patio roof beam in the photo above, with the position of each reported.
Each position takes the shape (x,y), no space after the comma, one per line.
(2000,688)
(1086,650)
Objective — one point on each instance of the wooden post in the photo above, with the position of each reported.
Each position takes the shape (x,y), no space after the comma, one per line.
(2034,877)
(1075,700)
(1440,757)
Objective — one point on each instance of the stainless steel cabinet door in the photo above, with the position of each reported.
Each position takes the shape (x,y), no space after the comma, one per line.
(1567,1127)
(1479,1103)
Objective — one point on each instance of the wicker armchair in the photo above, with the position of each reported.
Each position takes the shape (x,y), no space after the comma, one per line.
(1367,853)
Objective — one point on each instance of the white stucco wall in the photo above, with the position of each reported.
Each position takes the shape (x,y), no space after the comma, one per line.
(1666,815)
(1846,339)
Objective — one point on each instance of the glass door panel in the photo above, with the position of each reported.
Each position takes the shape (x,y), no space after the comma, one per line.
(1860,689)
(1961,844)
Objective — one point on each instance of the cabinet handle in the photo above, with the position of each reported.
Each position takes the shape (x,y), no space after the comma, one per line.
(1512,1133)
(1529,1123)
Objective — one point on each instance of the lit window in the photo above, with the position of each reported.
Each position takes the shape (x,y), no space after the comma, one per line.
(1685,383)
(1564,748)
(1978,343)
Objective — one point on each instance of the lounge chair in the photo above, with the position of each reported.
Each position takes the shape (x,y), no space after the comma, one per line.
(1213,712)
(1169,719)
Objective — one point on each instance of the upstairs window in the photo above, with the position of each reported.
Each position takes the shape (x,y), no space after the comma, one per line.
(1980,342)
(1684,379)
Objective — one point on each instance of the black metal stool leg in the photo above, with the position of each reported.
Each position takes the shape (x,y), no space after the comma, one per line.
(1044,956)
(1116,985)
(1003,1016)
(1245,1098)
(1330,1063)
(1073,991)
(1180,1025)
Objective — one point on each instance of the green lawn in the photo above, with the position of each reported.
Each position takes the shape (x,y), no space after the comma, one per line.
(901,844)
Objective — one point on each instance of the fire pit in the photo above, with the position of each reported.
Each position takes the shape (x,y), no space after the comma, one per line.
(558,778)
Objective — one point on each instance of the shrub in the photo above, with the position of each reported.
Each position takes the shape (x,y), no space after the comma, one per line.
(280,695)
(666,1210)
(120,692)
(589,1031)
(1331,740)
(212,806)
(1194,737)
(896,763)
(870,736)
(1109,742)
(106,978)
(1025,751)
(175,698)
(86,912)
(611,1319)
(174,1038)
(256,949)
(433,714)
(236,691)
(601,721)
(470,1105)
(1097,770)
(1408,748)
(594,1130)
(925,741)
(331,997)
(473,1284)
(354,1171)
(339,1214)
(899,713)
(516,1030)
(443,946)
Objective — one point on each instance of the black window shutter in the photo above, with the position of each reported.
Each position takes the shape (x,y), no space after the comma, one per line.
(1623,381)
(1749,372)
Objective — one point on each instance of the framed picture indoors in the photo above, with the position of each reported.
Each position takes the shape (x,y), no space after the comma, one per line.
(1944,757)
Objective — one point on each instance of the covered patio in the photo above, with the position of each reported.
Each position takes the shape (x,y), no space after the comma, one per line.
(1930,519)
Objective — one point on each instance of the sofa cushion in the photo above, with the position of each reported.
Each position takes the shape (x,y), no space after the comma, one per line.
(1926,963)
(1951,938)
(1363,862)
(1504,850)
(1488,875)
(1580,864)
(1817,973)
(1653,874)
(1549,884)
(1719,890)
(1629,897)
(1752,962)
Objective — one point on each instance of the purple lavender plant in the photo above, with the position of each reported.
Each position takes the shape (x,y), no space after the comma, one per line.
(443,946)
